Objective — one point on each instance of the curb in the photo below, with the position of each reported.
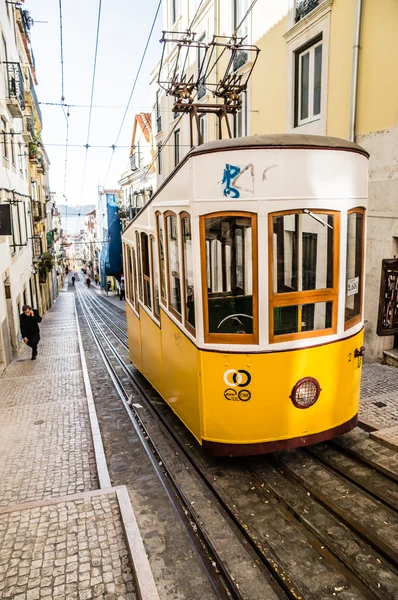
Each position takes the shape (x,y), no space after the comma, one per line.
(145,582)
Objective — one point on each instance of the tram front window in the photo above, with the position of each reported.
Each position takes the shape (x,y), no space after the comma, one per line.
(303,252)
(229,274)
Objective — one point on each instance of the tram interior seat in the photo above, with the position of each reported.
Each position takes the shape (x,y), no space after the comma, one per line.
(222,305)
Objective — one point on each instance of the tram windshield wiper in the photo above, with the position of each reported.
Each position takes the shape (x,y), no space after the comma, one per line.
(308,212)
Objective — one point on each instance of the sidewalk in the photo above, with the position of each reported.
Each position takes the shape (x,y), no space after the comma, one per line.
(379,403)
(112,297)
(61,535)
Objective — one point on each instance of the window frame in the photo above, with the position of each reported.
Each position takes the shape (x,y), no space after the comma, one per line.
(187,325)
(177,137)
(164,301)
(134,279)
(358,318)
(146,265)
(153,256)
(171,309)
(139,267)
(308,48)
(230,338)
(281,299)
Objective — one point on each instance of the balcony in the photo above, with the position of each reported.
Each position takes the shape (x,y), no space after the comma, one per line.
(37,247)
(28,132)
(15,89)
(304,7)
(38,211)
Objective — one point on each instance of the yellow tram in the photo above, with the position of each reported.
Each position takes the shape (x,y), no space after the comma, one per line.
(245,283)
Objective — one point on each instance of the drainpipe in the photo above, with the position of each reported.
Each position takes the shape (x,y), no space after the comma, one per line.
(354,76)
(215,32)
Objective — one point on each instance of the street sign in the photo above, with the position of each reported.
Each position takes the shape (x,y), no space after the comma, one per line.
(5,219)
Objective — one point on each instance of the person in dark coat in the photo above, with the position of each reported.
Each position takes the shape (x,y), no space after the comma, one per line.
(30,330)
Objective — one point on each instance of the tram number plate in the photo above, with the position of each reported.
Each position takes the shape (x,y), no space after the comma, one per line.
(353,286)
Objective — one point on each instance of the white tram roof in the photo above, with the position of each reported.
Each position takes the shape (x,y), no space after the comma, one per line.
(278,140)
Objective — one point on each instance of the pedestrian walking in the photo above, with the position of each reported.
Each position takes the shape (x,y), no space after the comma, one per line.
(108,287)
(122,290)
(29,322)
(96,279)
(73,280)
(88,281)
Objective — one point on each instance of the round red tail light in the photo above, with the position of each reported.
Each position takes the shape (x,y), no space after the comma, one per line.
(305,392)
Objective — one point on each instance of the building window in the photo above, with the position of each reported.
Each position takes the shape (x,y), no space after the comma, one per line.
(308,79)
(134,286)
(174,10)
(159,159)
(12,147)
(240,119)
(201,67)
(203,128)
(240,8)
(354,269)
(188,272)
(4,137)
(158,113)
(304,274)
(176,147)
(173,263)
(229,267)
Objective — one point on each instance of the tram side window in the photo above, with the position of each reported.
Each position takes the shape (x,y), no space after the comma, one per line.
(129,268)
(139,266)
(229,273)
(135,288)
(146,270)
(303,290)
(353,294)
(155,271)
(173,263)
(188,273)
(161,258)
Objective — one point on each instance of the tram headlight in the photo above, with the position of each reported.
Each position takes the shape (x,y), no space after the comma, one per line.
(305,392)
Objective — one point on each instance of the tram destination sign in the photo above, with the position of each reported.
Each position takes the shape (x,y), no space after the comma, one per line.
(5,219)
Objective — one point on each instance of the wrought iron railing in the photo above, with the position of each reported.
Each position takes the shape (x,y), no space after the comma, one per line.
(15,82)
(37,210)
(35,98)
(29,124)
(37,246)
(303,7)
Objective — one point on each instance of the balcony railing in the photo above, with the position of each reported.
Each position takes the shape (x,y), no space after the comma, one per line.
(38,210)
(28,126)
(37,246)
(15,88)
(303,7)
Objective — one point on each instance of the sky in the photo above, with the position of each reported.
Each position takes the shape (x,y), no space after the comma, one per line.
(124,28)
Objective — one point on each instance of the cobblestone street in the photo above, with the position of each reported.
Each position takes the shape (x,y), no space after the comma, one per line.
(379,402)
(60,536)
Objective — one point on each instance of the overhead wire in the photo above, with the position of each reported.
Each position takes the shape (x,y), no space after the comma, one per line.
(133,88)
(67,113)
(91,104)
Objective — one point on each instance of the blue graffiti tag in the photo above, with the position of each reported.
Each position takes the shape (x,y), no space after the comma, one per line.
(230,172)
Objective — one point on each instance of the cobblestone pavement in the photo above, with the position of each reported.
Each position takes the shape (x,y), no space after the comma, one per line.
(54,546)
(379,395)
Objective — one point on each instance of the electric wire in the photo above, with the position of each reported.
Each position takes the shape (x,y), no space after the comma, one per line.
(133,88)
(62,52)
(91,104)
(195,15)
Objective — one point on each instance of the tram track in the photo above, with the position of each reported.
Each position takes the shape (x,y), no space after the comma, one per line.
(275,510)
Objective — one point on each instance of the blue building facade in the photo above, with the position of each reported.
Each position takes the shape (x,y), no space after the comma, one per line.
(110,234)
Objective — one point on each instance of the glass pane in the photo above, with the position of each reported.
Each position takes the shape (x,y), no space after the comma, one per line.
(354,265)
(134,279)
(229,256)
(188,266)
(155,268)
(302,317)
(139,264)
(174,263)
(304,85)
(130,289)
(146,270)
(161,252)
(317,79)
(302,252)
